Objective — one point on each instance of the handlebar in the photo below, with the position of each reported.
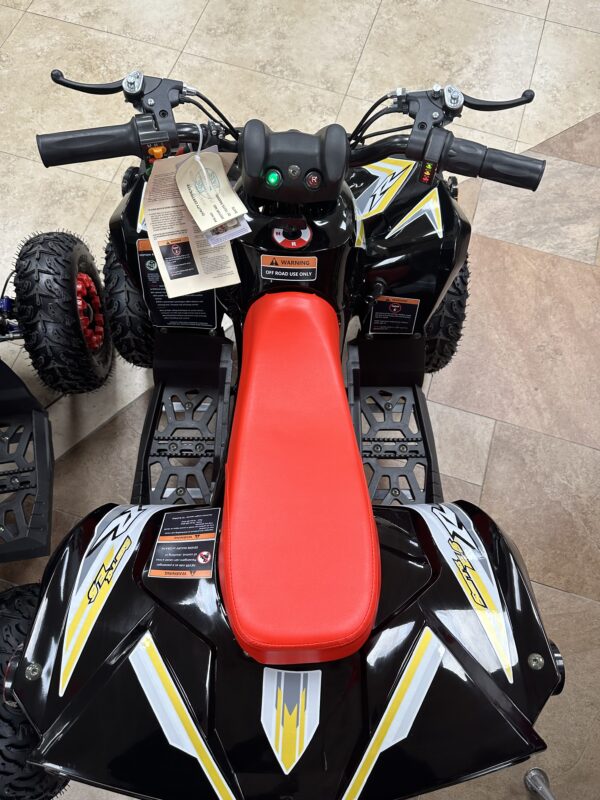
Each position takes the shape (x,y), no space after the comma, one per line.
(463,157)
(89,144)
(446,152)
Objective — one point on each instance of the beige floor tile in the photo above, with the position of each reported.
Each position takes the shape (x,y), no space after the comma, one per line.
(579,143)
(486,51)
(76,416)
(10,352)
(462,441)
(316,42)
(96,231)
(455,489)
(135,413)
(534,8)
(79,791)
(570,723)
(566,79)
(143,20)
(39,44)
(544,493)
(579,13)
(468,197)
(244,94)
(35,199)
(529,354)
(561,217)
(20,5)
(31,571)
(8,19)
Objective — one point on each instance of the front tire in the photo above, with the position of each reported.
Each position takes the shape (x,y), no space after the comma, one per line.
(445,326)
(60,310)
(127,313)
(20,780)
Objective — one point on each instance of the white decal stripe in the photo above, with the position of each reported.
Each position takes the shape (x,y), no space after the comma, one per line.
(415,695)
(402,710)
(171,712)
(114,542)
(462,549)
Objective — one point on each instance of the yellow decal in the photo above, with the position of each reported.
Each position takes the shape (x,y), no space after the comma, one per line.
(88,611)
(403,707)
(171,711)
(107,571)
(290,712)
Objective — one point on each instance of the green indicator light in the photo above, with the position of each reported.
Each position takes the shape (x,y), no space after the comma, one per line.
(273,178)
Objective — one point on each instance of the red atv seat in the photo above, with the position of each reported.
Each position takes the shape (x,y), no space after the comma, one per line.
(299,554)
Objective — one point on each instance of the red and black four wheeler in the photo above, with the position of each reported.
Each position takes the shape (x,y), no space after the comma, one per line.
(287,608)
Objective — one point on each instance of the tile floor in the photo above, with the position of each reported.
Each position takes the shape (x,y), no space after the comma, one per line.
(516,413)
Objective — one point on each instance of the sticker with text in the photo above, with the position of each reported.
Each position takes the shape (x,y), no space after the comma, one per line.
(288,268)
(185,547)
(394,315)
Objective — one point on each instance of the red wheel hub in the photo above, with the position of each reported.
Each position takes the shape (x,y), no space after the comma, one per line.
(90,312)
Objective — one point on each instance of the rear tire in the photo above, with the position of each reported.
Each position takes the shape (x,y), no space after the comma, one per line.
(18,738)
(59,307)
(127,313)
(444,329)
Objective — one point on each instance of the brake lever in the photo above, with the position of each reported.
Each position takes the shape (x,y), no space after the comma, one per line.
(498,105)
(89,88)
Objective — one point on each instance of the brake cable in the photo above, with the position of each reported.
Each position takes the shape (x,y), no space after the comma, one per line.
(189,90)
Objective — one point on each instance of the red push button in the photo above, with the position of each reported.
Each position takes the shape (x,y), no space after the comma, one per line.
(313,180)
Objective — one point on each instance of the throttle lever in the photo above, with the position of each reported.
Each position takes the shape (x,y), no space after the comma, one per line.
(58,77)
(498,105)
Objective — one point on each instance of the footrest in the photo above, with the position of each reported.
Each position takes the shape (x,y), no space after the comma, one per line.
(26,471)
(397,446)
(183,442)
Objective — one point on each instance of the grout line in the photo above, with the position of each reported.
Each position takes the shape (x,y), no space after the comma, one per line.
(260,72)
(564,591)
(537,55)
(106,32)
(515,425)
(10,32)
(362,50)
(193,30)
(509,10)
(589,264)
(62,168)
(487,461)
(573,27)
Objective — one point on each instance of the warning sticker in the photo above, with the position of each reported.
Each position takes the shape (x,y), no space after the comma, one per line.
(394,315)
(288,268)
(197,310)
(185,547)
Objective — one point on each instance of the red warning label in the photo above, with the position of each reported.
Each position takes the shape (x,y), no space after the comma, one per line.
(288,268)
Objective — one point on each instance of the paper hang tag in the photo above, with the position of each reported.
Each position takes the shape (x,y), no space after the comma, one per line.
(206,192)
(186,261)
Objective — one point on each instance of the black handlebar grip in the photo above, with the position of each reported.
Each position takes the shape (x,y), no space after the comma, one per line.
(463,157)
(513,169)
(89,144)
(476,160)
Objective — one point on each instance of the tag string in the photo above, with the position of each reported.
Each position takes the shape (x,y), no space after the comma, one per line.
(197,158)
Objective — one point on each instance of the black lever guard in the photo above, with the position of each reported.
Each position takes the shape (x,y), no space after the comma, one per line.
(498,105)
(90,88)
